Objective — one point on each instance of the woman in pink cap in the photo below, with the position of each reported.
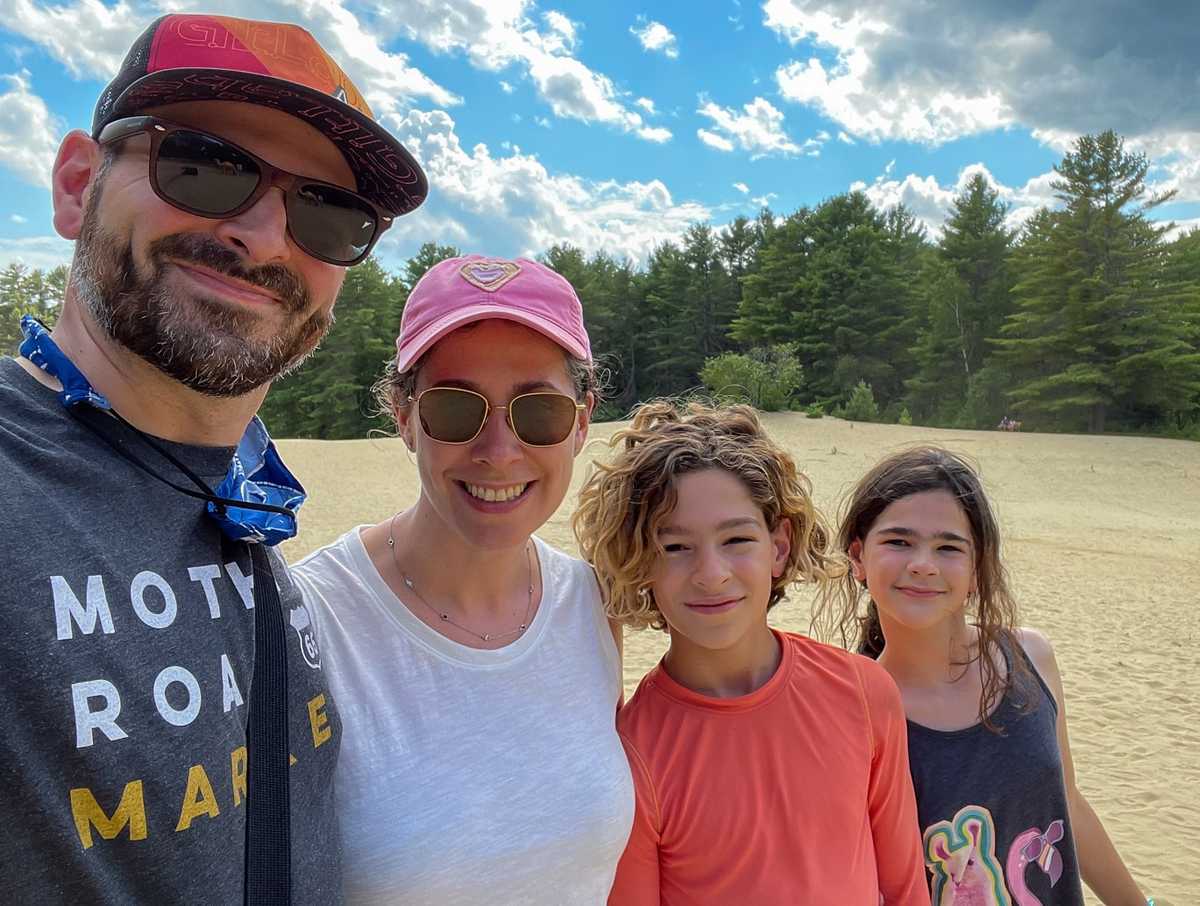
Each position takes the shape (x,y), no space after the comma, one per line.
(475,671)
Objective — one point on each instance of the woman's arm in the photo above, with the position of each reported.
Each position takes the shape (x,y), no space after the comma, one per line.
(1099,862)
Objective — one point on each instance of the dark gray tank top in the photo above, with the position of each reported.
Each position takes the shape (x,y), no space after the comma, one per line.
(993,808)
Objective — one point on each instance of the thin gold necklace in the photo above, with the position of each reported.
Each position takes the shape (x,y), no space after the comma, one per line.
(445,617)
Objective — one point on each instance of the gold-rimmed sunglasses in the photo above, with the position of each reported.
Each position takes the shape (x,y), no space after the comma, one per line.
(453,415)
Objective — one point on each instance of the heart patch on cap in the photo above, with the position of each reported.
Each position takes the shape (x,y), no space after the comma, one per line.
(489,276)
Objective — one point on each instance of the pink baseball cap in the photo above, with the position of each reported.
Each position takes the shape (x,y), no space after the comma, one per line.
(460,291)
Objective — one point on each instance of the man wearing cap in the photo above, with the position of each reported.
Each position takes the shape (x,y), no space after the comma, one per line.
(169,735)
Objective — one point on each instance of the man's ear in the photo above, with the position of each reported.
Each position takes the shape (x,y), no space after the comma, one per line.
(73,180)
(856,562)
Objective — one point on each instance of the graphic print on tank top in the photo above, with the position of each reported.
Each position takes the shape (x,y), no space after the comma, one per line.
(961,856)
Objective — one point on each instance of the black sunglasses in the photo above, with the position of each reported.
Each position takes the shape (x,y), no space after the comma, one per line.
(452,415)
(211,177)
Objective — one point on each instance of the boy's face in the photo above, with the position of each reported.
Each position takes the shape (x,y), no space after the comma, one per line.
(714,581)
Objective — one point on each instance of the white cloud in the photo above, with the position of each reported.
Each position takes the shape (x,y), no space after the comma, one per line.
(497,34)
(931,203)
(29,132)
(1182,227)
(17,218)
(562,26)
(647,105)
(90,38)
(933,71)
(742,187)
(44,252)
(513,205)
(654,36)
(855,94)
(844,138)
(713,140)
(656,134)
(931,117)
(758,128)
(763,201)
(542,121)
(506,87)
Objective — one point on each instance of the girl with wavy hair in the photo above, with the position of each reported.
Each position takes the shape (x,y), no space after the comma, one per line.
(768,768)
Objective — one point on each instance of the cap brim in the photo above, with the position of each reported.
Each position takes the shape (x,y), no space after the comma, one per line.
(384,169)
(416,347)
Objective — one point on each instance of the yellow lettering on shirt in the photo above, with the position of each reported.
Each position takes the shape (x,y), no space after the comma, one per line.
(237,772)
(319,721)
(130,811)
(198,800)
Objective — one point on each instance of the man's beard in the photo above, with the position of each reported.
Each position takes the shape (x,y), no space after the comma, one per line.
(206,344)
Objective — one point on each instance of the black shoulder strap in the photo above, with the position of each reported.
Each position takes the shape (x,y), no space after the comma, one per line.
(268,842)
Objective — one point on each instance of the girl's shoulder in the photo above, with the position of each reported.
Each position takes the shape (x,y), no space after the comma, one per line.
(1035,644)
(1040,654)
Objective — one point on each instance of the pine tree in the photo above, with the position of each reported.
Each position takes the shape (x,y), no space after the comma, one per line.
(429,254)
(964,298)
(690,301)
(28,292)
(329,396)
(1098,334)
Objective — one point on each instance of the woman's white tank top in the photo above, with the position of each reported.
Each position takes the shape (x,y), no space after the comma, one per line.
(471,777)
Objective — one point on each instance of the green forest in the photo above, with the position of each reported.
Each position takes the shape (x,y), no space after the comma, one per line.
(1087,319)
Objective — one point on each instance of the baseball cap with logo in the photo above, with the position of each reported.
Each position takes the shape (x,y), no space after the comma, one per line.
(198,57)
(461,291)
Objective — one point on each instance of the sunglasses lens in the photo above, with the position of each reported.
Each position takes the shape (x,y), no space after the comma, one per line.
(450,415)
(203,173)
(330,223)
(542,419)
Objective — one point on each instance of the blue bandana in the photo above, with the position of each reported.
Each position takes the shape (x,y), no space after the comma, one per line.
(256,475)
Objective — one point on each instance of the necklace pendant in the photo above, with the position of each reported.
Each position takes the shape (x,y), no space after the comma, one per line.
(522,629)
(409,583)
(486,637)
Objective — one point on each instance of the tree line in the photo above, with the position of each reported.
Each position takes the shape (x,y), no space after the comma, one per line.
(1087,318)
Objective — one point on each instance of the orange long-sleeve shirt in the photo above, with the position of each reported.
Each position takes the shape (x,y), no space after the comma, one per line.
(796,794)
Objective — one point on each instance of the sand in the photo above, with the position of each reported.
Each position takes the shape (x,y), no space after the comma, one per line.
(1103,542)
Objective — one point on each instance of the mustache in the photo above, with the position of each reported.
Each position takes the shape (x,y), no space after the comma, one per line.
(191,248)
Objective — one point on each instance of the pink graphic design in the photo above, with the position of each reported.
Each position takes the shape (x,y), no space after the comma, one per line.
(1032,847)
(961,854)
(489,276)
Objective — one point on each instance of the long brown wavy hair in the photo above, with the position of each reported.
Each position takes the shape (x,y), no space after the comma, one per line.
(840,616)
(626,499)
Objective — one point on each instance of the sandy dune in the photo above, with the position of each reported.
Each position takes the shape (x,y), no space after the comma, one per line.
(1103,541)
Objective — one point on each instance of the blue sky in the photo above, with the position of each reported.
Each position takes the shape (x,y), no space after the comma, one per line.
(614,126)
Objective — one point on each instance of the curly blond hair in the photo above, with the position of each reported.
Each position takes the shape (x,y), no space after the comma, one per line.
(626,499)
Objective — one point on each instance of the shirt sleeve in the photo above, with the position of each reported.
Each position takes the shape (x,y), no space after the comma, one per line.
(637,880)
(891,805)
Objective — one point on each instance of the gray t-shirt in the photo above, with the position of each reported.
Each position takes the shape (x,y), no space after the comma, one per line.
(126,656)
